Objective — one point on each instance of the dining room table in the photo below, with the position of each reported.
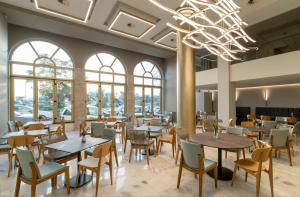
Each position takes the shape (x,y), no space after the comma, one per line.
(75,145)
(224,141)
(36,133)
(46,123)
(260,130)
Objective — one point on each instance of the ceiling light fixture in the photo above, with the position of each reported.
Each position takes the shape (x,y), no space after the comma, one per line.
(152,25)
(158,42)
(211,24)
(66,2)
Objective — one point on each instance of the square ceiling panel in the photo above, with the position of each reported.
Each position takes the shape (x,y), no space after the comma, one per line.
(167,41)
(78,10)
(129,21)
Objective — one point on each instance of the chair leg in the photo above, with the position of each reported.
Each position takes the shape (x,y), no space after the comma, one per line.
(33,190)
(67,179)
(173,149)
(258,176)
(52,182)
(116,155)
(18,183)
(225,154)
(177,155)
(154,150)
(97,180)
(110,172)
(125,144)
(179,175)
(200,184)
(246,176)
(271,182)
(290,156)
(216,176)
(233,175)
(9,164)
(147,154)
(130,154)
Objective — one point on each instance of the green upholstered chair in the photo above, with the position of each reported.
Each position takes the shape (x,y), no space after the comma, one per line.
(11,126)
(97,128)
(128,127)
(240,132)
(5,149)
(279,140)
(192,159)
(109,134)
(30,173)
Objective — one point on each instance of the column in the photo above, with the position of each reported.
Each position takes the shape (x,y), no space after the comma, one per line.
(186,109)
(226,93)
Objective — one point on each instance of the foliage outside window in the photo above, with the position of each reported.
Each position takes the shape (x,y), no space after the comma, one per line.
(148,85)
(106,78)
(41,82)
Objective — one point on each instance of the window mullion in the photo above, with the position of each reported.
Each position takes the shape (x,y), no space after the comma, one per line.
(55,101)
(35,100)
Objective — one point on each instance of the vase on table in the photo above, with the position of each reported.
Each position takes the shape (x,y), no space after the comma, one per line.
(216,133)
(83,139)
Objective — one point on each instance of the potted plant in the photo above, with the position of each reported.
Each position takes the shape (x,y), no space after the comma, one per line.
(215,125)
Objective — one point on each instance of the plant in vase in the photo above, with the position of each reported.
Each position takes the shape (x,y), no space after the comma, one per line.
(215,125)
(82,135)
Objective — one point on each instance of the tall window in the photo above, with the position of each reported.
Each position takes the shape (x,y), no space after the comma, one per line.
(147,90)
(41,82)
(105,85)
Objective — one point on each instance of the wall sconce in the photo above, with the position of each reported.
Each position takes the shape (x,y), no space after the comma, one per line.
(266,96)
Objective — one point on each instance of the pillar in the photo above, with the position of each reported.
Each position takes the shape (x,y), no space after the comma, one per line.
(186,107)
(226,93)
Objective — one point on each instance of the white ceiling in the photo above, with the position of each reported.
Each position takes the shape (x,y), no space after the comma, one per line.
(251,13)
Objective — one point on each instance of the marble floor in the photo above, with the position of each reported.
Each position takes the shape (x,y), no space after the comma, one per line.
(159,179)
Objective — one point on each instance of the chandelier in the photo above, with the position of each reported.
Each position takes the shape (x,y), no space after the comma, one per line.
(211,24)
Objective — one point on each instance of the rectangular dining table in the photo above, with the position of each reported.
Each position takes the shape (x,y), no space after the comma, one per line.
(74,145)
(36,133)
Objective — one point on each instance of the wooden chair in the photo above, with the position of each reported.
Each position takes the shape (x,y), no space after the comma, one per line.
(83,128)
(255,165)
(247,124)
(121,131)
(240,132)
(62,124)
(51,155)
(250,134)
(94,163)
(18,141)
(279,140)
(231,123)
(251,117)
(29,172)
(156,135)
(38,126)
(193,159)
(170,138)
(140,141)
(128,127)
(264,117)
(19,125)
(207,126)
(292,120)
(108,134)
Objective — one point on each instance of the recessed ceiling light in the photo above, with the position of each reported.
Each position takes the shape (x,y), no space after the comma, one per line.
(157,42)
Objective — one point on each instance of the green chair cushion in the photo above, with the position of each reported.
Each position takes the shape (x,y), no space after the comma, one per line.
(50,168)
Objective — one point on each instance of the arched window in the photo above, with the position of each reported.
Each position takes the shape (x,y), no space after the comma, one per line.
(105,85)
(148,86)
(42,82)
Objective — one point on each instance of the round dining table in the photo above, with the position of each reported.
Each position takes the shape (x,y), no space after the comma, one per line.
(225,141)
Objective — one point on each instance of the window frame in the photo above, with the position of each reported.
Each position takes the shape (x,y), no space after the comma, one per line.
(143,86)
(99,82)
(35,78)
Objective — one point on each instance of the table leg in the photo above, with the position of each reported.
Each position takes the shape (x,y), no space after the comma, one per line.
(84,178)
(224,174)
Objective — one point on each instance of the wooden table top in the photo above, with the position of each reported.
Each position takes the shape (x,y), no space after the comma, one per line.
(46,123)
(36,133)
(154,129)
(225,140)
(257,129)
(75,145)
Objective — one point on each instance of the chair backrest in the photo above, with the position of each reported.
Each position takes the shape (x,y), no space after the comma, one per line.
(19,125)
(97,128)
(172,131)
(38,126)
(264,117)
(102,150)
(83,127)
(262,154)
(138,136)
(155,122)
(297,127)
(25,158)
(11,126)
(280,119)
(230,123)
(22,140)
(63,124)
(247,124)
(269,124)
(236,130)
(251,117)
(57,136)
(191,153)
(148,115)
(279,137)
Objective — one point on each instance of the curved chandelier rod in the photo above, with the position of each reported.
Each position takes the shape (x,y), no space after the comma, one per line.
(211,24)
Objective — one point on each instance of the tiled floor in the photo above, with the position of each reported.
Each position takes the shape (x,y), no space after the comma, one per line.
(159,179)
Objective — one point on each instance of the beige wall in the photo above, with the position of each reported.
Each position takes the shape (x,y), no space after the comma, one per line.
(170,96)
(3,74)
(80,51)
